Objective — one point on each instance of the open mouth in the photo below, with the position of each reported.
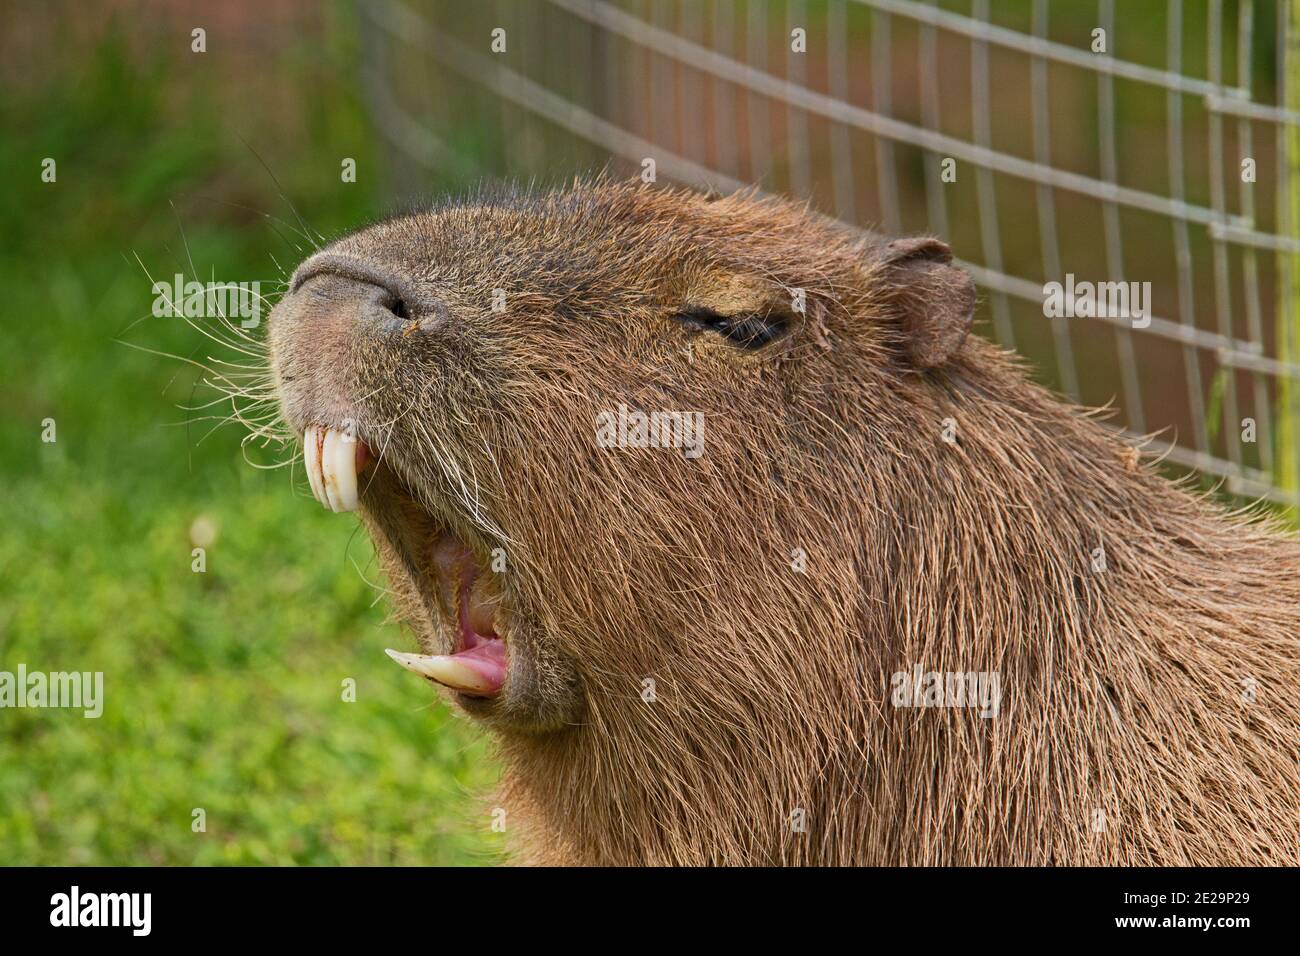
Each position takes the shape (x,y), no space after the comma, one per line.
(466,593)
(470,599)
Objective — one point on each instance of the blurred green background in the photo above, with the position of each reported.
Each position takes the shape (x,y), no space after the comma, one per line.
(224,689)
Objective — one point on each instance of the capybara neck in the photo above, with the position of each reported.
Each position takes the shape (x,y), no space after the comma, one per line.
(1143,642)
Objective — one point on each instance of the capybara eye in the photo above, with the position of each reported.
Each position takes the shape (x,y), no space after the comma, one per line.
(750,331)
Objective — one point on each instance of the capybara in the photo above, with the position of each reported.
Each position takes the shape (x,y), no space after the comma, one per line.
(745,552)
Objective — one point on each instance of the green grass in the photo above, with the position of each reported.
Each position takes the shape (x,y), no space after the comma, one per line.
(223,689)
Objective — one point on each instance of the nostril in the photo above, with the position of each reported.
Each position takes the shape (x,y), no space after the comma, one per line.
(382,295)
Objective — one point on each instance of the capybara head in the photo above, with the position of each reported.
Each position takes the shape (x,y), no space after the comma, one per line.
(598,421)
(674,489)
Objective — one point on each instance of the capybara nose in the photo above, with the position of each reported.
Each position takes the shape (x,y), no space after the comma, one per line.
(353,290)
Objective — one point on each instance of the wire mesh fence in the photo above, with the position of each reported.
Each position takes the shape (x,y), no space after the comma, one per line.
(1046,142)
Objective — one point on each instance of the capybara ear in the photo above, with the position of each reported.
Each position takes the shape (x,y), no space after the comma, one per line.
(933,299)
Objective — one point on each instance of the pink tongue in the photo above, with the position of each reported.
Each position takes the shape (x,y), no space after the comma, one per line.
(488,660)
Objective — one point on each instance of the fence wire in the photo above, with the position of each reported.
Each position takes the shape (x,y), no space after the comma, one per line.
(1114,143)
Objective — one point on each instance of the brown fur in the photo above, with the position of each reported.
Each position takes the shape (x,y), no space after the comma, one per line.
(1122,689)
